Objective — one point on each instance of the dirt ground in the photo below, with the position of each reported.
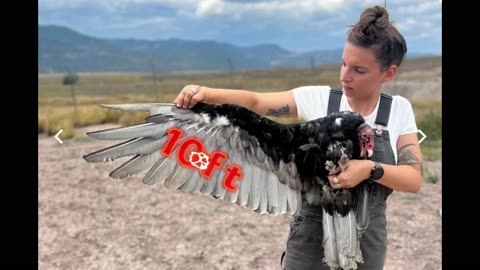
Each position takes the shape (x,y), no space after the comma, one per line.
(90,221)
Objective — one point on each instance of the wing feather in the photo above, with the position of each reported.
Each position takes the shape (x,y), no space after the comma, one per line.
(246,183)
(136,164)
(192,180)
(131,147)
(263,199)
(129,132)
(160,171)
(256,188)
(282,198)
(272,190)
(232,197)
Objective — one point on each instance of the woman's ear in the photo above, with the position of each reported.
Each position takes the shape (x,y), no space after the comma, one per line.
(390,73)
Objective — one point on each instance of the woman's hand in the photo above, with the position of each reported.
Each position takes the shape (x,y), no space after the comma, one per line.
(355,172)
(189,96)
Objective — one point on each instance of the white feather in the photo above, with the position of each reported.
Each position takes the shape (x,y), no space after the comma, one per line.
(338,121)
(221,121)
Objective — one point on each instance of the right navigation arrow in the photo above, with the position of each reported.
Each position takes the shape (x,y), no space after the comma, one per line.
(424,136)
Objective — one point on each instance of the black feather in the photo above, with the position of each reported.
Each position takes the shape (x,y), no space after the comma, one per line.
(306,144)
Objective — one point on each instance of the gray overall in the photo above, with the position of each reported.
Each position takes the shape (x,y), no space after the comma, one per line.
(304,245)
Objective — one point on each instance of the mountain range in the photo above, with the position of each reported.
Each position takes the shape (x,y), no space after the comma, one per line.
(62,50)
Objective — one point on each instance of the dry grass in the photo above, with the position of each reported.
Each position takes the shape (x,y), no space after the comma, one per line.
(56,106)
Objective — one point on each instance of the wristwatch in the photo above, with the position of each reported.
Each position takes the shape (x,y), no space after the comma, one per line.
(377,171)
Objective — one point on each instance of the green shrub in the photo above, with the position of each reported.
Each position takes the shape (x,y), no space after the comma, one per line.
(431,125)
(430,177)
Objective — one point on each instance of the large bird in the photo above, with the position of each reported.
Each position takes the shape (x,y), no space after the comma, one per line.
(234,154)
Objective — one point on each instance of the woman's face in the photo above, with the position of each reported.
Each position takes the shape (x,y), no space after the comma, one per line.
(360,74)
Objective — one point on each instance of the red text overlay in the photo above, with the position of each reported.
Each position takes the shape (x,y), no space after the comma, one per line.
(192,154)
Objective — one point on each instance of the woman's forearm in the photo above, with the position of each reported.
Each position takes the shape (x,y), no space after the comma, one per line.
(276,103)
(406,178)
(243,98)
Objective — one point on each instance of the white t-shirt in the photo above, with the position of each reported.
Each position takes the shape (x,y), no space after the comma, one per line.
(312,103)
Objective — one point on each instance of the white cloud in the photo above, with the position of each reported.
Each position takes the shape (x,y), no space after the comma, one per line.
(275,7)
(418,8)
(405,24)
(207,7)
(58,4)
(107,5)
(111,4)
(434,34)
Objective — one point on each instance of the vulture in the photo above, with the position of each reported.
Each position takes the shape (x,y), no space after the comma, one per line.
(234,154)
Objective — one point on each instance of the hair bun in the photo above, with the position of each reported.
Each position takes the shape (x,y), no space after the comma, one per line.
(374,30)
(382,17)
(374,21)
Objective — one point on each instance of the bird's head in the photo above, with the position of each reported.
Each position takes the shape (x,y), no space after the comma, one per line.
(351,126)
(365,140)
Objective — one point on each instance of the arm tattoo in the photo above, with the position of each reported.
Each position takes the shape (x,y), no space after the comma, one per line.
(282,111)
(406,156)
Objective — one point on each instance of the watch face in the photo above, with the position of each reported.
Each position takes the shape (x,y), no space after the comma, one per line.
(377,171)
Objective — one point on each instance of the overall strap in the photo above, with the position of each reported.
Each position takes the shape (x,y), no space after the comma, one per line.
(383,108)
(334,100)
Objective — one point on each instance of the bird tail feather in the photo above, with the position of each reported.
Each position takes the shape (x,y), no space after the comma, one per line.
(349,253)
(329,241)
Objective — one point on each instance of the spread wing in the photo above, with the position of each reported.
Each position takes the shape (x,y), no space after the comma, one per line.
(225,150)
(236,155)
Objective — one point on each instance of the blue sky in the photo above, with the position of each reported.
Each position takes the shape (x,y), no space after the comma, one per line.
(296,25)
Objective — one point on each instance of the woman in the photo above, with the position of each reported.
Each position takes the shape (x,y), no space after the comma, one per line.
(372,54)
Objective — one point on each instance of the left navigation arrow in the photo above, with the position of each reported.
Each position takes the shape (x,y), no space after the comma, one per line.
(56,136)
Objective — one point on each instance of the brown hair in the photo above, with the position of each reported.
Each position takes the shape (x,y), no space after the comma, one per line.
(375,31)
